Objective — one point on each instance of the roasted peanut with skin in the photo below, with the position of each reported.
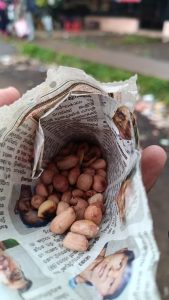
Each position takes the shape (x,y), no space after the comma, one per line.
(94,214)
(47,208)
(36,201)
(70,193)
(77,193)
(85,227)
(47,176)
(68,162)
(84,182)
(101,172)
(54,197)
(75,242)
(97,200)
(60,183)
(41,190)
(98,164)
(99,184)
(63,221)
(66,196)
(73,175)
(62,206)
(80,208)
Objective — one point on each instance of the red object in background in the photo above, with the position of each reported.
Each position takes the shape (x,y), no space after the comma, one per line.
(73,26)
(76,26)
(67,25)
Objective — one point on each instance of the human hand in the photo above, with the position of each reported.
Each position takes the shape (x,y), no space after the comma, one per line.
(8,95)
(152,163)
(153,157)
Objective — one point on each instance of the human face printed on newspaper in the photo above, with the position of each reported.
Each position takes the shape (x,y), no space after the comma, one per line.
(106,273)
(121,198)
(10,273)
(121,119)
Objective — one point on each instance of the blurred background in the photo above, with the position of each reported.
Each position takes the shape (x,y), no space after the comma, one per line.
(111,40)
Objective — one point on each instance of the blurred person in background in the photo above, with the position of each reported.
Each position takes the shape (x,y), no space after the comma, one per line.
(31,10)
(25,10)
(20,24)
(11,16)
(45,16)
(3,17)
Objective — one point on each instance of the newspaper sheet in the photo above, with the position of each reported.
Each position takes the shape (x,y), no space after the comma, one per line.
(121,260)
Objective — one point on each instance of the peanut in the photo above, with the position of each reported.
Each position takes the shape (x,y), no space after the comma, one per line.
(80,208)
(75,242)
(84,182)
(77,193)
(53,167)
(73,175)
(68,162)
(54,197)
(47,176)
(99,204)
(99,184)
(60,183)
(90,193)
(36,201)
(64,173)
(66,196)
(97,200)
(83,147)
(73,200)
(81,203)
(94,214)
(82,150)
(89,162)
(73,185)
(85,227)
(63,221)
(101,172)
(62,206)
(41,190)
(50,189)
(93,152)
(89,171)
(47,208)
(99,164)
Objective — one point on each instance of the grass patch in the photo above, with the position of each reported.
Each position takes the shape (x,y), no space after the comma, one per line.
(147,84)
(113,40)
(83,42)
(138,40)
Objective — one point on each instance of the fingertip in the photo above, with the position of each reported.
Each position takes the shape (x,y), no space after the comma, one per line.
(152,163)
(15,94)
(157,153)
(8,95)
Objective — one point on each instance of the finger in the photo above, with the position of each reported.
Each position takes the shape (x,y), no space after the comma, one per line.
(152,163)
(8,95)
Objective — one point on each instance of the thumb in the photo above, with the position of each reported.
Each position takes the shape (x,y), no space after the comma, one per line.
(152,163)
(8,95)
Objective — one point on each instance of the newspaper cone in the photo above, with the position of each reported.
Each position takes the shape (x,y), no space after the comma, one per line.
(121,261)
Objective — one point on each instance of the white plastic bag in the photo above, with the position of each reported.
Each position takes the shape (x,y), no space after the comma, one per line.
(21,28)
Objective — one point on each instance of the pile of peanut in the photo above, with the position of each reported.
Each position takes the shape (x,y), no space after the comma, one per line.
(70,190)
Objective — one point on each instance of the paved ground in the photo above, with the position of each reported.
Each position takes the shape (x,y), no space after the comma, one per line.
(115,56)
(25,76)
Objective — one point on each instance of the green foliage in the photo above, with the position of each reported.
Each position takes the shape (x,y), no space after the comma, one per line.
(10,243)
(147,84)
